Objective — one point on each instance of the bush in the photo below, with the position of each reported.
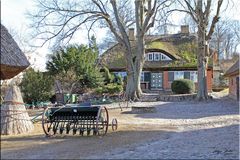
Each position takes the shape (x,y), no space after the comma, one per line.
(111,88)
(183,86)
(36,86)
(108,77)
(118,79)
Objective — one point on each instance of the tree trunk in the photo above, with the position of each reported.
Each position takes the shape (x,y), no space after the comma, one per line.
(133,88)
(133,80)
(140,60)
(202,93)
(14,117)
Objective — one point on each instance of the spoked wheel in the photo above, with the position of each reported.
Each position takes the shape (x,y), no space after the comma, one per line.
(102,121)
(46,124)
(114,124)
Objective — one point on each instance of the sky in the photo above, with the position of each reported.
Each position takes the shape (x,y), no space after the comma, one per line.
(13,17)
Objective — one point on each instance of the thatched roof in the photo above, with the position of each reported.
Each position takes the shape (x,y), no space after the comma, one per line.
(233,70)
(171,45)
(13,60)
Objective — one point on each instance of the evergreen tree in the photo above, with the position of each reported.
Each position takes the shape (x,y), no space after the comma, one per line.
(36,86)
(79,60)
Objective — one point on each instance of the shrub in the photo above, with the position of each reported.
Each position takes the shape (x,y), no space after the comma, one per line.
(183,86)
(108,77)
(36,86)
(118,79)
(99,90)
(111,88)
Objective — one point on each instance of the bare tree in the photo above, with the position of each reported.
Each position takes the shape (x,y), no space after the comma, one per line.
(226,38)
(200,12)
(60,20)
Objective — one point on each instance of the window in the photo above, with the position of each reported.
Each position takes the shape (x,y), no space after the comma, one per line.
(142,77)
(150,57)
(145,76)
(178,75)
(174,75)
(122,74)
(193,76)
(157,57)
(165,58)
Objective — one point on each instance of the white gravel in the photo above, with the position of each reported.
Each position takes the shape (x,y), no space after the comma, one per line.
(205,130)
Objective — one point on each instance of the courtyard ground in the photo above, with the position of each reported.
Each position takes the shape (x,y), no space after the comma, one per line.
(189,130)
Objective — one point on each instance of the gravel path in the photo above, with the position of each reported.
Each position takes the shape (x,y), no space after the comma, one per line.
(183,130)
(218,143)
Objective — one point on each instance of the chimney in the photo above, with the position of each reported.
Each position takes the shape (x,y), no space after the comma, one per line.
(131,34)
(185,29)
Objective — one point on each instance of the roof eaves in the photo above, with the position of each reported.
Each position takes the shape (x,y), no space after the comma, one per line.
(233,70)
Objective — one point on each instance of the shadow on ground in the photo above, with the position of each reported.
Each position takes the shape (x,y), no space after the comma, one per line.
(207,143)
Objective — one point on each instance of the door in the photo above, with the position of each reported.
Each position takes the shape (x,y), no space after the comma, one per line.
(156,81)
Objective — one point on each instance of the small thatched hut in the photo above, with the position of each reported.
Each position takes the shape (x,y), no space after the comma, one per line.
(14,117)
(13,60)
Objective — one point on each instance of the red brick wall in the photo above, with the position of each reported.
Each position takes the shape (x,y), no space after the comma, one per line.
(165,81)
(167,85)
(209,80)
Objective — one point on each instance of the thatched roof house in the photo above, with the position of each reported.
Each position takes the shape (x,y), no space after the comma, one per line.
(13,60)
(167,58)
(179,48)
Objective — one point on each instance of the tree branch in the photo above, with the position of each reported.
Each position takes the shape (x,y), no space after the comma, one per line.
(207,9)
(214,20)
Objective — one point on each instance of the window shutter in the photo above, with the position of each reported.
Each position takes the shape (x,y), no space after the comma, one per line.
(170,76)
(147,76)
(186,75)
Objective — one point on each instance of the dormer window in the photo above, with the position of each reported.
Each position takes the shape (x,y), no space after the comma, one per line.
(156,56)
(165,58)
(150,56)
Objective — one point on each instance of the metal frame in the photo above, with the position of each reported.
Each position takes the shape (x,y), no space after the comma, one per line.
(97,124)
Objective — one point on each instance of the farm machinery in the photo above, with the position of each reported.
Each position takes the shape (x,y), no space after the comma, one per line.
(77,119)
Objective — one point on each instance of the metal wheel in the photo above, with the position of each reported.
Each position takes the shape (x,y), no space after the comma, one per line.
(47,125)
(114,124)
(102,121)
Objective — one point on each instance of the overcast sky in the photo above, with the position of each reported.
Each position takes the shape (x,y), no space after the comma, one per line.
(13,17)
